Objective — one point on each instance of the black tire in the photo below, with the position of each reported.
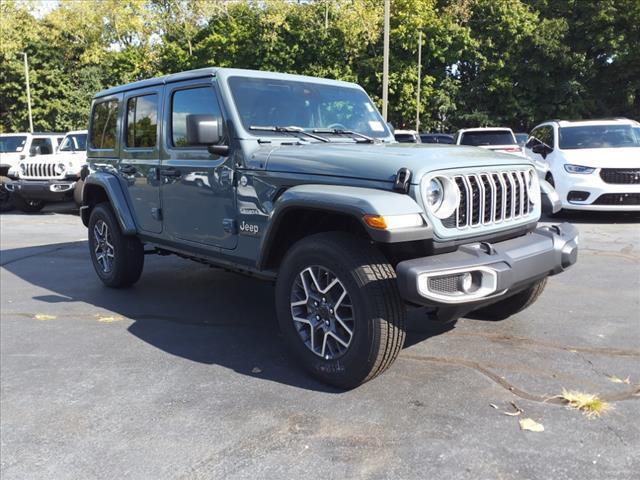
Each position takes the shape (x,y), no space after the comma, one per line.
(513,304)
(127,259)
(6,198)
(77,192)
(377,311)
(27,205)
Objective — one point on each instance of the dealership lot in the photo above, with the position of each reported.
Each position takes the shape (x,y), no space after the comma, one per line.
(185,376)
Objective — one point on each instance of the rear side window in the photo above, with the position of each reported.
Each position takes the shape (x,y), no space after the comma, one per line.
(142,121)
(103,125)
(191,103)
(488,137)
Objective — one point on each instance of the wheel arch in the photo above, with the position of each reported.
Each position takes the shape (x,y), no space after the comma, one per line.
(103,187)
(309,209)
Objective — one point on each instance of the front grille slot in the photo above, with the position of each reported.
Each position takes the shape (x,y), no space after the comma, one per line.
(39,171)
(621,176)
(490,198)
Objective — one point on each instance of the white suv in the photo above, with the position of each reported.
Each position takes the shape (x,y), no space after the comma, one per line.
(15,147)
(49,178)
(497,139)
(593,165)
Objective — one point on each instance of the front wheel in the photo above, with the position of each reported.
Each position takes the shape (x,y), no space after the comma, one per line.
(26,205)
(6,198)
(117,259)
(339,308)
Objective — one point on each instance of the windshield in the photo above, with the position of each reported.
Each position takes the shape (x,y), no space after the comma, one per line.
(74,143)
(311,106)
(12,143)
(488,137)
(598,136)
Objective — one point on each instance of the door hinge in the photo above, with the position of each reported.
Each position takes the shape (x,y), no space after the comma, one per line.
(156,213)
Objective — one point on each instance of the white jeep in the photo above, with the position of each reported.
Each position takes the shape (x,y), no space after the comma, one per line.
(41,179)
(15,147)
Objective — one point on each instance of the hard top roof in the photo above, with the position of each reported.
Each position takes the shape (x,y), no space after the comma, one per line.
(604,121)
(218,72)
(50,134)
(486,129)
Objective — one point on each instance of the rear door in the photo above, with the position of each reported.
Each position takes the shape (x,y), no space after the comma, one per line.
(198,196)
(140,157)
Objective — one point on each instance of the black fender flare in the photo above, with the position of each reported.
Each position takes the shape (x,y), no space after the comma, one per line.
(112,188)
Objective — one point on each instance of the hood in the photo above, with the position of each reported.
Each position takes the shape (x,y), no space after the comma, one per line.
(378,162)
(604,157)
(11,158)
(61,157)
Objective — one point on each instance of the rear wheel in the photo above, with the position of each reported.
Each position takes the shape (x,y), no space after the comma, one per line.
(27,205)
(339,308)
(117,259)
(515,303)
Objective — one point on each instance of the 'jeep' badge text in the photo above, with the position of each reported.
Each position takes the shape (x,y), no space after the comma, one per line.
(249,229)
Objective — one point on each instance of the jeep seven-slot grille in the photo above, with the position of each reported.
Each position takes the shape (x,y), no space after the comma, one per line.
(621,175)
(39,170)
(489,198)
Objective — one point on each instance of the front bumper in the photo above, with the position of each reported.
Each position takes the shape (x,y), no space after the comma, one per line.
(622,195)
(47,190)
(480,273)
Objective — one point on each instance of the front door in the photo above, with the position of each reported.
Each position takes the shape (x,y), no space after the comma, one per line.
(198,200)
(140,156)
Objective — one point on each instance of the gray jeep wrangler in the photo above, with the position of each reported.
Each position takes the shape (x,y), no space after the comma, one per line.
(299,181)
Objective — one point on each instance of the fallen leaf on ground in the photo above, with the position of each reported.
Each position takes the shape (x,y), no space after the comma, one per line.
(493,405)
(256,370)
(615,379)
(43,316)
(530,425)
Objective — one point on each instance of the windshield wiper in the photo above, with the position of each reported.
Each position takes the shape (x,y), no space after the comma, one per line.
(339,131)
(292,129)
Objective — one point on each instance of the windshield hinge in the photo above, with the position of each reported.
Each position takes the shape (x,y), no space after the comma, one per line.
(402,181)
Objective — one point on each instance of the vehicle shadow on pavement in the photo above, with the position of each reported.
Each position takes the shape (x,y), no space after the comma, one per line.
(180,307)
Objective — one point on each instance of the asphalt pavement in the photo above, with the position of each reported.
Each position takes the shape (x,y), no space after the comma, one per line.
(184,376)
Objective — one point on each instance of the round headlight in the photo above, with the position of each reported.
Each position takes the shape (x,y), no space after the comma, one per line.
(441,196)
(60,168)
(435,194)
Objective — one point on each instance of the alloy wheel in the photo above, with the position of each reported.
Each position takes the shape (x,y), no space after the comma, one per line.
(322,312)
(103,250)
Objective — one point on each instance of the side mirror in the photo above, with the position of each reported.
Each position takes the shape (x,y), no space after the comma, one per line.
(203,130)
(541,149)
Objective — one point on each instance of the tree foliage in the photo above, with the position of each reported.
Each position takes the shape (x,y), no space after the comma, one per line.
(484,62)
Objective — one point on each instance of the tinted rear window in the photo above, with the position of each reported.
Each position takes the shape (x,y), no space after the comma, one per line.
(103,125)
(405,138)
(489,137)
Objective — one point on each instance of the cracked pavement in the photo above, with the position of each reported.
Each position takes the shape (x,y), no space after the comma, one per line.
(184,376)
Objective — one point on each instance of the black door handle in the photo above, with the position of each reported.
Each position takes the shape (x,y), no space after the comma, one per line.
(170,172)
(128,169)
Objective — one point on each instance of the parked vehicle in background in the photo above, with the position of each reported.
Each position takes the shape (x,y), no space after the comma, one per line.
(406,136)
(15,147)
(521,138)
(41,179)
(496,139)
(436,138)
(593,164)
(307,188)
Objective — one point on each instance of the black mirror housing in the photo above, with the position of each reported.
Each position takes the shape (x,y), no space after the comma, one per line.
(203,130)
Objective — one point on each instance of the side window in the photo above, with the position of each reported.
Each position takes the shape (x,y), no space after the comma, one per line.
(103,125)
(533,138)
(545,135)
(187,106)
(42,144)
(550,139)
(142,121)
